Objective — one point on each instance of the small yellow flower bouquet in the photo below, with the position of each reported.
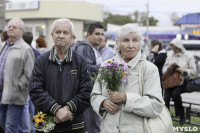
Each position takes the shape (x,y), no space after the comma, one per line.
(43,122)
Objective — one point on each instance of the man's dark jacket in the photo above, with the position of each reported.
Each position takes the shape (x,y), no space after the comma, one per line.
(53,86)
(85,49)
(92,121)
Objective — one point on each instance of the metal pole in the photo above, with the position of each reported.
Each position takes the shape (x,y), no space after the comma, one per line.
(147,21)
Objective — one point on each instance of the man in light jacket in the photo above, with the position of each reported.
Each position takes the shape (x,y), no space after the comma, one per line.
(16,64)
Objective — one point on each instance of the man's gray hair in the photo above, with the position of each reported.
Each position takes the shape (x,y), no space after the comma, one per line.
(62,20)
(19,20)
(124,31)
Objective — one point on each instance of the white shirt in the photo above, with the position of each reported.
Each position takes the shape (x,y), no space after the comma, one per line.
(98,57)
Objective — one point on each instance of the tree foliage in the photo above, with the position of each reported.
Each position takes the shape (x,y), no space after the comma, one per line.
(135,17)
(174,18)
(117,19)
(152,21)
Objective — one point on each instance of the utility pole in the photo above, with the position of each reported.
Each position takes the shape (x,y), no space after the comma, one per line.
(147,21)
(2,14)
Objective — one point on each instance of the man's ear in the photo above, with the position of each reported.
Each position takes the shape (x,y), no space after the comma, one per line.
(23,31)
(88,34)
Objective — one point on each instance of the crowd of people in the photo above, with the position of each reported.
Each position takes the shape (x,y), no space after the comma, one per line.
(58,81)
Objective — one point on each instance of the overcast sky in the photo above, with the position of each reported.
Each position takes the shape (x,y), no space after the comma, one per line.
(159,9)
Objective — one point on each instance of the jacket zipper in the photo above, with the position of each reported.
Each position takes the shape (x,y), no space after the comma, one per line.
(59,83)
(60,68)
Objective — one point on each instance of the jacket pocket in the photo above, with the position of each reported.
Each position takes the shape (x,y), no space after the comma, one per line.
(15,84)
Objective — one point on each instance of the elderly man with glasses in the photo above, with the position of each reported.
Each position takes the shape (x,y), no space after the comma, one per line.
(16,64)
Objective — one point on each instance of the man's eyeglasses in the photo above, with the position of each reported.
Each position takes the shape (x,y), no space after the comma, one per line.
(13,27)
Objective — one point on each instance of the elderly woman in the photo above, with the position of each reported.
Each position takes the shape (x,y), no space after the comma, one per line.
(124,111)
(187,66)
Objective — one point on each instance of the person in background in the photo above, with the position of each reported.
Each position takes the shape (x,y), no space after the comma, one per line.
(88,49)
(105,51)
(1,129)
(4,36)
(157,56)
(124,110)
(28,38)
(0,36)
(41,45)
(59,84)
(187,66)
(28,107)
(16,64)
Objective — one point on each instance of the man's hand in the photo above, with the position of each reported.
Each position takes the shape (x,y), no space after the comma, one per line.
(63,114)
(117,97)
(110,106)
(56,120)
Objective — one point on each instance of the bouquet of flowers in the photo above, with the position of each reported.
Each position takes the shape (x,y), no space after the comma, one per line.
(43,122)
(113,75)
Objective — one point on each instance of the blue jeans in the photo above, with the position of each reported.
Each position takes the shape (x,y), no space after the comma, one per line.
(10,116)
(92,121)
(25,122)
(32,112)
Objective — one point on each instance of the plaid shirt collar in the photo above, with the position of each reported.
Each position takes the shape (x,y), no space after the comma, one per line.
(54,56)
(8,43)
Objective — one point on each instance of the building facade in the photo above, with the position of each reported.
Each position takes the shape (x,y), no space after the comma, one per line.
(39,15)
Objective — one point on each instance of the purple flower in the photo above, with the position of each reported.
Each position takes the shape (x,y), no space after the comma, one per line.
(110,73)
(108,65)
(43,123)
(115,65)
(114,74)
(123,63)
(101,69)
(124,66)
(124,79)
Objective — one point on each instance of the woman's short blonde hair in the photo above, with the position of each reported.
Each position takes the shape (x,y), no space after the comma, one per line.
(124,31)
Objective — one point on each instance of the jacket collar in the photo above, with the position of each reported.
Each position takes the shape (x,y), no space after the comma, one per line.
(133,62)
(68,56)
(86,42)
(16,44)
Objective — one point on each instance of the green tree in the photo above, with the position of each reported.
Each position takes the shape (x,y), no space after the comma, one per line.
(152,22)
(136,16)
(117,19)
(174,18)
